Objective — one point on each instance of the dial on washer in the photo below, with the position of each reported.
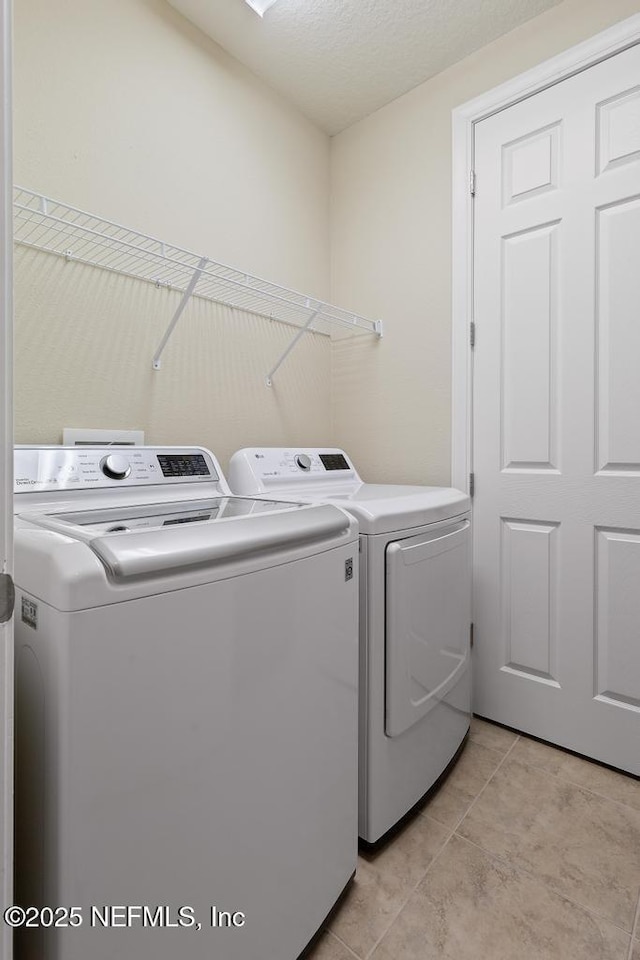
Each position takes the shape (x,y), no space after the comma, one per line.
(115,467)
(303,461)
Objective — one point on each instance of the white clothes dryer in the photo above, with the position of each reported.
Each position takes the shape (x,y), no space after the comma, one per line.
(415,619)
(186,709)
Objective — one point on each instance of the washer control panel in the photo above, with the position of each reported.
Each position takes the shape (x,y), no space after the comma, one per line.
(65,468)
(264,467)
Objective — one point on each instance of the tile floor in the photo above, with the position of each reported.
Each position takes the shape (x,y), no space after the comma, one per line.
(525,853)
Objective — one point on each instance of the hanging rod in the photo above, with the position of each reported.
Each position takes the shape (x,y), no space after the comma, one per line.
(56,227)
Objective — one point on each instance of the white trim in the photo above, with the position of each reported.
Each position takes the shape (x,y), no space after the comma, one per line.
(606,44)
(6,478)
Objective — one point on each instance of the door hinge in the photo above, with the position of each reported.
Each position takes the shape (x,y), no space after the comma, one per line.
(7,597)
(472,334)
(472,484)
(472,182)
(471,635)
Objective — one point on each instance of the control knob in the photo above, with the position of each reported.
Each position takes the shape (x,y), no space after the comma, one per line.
(303,461)
(115,467)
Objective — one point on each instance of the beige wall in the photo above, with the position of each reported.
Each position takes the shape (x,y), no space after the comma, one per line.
(124,109)
(391,250)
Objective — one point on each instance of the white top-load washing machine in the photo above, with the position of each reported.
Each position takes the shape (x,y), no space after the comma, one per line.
(415,609)
(186,709)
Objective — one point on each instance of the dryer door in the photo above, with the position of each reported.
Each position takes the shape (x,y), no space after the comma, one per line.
(428,613)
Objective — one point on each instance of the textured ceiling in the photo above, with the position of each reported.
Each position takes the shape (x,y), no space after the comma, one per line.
(339,60)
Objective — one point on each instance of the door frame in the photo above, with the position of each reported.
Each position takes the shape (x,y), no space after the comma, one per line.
(6,471)
(464,118)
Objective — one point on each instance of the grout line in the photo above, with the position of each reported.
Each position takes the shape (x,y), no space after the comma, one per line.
(478,795)
(494,749)
(425,811)
(409,894)
(452,831)
(342,943)
(635,930)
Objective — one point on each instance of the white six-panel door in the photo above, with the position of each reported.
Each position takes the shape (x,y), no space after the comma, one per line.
(557,413)
(6,479)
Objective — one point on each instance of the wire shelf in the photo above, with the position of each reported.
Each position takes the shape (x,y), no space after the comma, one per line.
(55,227)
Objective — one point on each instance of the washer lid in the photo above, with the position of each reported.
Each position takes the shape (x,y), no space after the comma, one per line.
(137,541)
(156,516)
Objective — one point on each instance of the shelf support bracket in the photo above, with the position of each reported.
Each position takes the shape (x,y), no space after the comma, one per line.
(297,337)
(186,296)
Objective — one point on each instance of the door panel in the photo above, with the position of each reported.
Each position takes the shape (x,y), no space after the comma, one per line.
(530,164)
(618,130)
(617,604)
(556,401)
(528,322)
(528,589)
(618,335)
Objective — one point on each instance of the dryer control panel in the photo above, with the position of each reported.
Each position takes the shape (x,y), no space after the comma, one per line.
(39,469)
(263,468)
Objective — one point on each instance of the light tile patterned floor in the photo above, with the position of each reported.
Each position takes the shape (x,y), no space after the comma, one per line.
(525,852)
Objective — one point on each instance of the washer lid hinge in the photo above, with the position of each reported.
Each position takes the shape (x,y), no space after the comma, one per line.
(472,333)
(7,597)
(472,484)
